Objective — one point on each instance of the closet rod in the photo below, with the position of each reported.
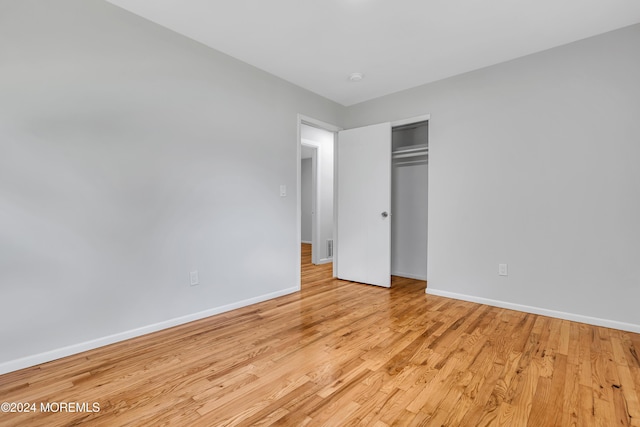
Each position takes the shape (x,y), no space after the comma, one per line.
(416,154)
(411,162)
(411,149)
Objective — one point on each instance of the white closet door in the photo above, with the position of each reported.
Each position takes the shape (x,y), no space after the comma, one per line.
(363,247)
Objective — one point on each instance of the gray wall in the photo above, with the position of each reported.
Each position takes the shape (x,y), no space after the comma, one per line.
(534,163)
(306,181)
(130,156)
(126,161)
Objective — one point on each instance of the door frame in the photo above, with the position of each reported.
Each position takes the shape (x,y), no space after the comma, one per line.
(409,121)
(395,123)
(310,121)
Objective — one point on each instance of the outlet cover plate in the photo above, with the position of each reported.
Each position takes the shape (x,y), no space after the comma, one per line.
(193,278)
(503,270)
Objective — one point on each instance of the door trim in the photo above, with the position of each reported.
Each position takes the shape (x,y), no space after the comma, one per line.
(410,120)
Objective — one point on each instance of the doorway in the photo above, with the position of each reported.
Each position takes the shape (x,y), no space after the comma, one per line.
(316,144)
(409,199)
(369,250)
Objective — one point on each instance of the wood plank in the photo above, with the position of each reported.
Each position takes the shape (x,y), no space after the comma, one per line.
(345,354)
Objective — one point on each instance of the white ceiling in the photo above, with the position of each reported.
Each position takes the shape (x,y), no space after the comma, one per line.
(396,44)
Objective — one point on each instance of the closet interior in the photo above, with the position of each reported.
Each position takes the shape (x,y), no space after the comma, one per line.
(409,200)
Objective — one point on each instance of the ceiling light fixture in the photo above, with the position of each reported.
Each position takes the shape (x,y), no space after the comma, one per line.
(356,77)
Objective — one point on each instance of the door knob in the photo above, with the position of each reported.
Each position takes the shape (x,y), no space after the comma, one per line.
(385,214)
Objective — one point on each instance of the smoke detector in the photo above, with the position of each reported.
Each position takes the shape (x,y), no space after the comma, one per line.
(356,77)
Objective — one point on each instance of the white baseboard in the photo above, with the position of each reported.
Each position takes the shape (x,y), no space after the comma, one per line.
(307,242)
(538,310)
(408,275)
(36,359)
(325,261)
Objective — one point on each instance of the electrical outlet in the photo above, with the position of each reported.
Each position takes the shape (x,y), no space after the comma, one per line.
(193,278)
(502,270)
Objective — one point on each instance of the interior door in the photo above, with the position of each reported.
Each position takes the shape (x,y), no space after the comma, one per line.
(363,246)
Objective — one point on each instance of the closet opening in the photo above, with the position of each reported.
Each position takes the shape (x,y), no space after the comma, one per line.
(409,199)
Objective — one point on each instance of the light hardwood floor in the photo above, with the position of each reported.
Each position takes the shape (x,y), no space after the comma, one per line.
(341,353)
